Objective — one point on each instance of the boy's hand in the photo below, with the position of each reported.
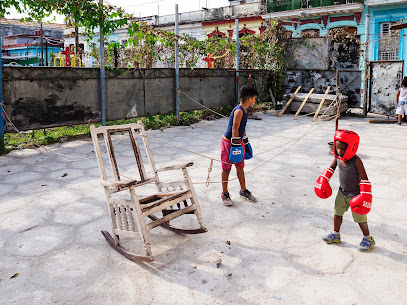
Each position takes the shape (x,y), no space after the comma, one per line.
(248,151)
(322,187)
(362,204)
(236,151)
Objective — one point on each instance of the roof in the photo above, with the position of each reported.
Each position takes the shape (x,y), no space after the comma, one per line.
(32,23)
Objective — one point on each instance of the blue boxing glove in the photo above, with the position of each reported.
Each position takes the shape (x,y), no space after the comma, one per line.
(236,151)
(248,152)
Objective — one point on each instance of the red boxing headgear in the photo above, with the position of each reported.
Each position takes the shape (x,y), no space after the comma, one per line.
(351,139)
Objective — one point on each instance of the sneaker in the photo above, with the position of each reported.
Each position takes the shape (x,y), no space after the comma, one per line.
(246,194)
(397,123)
(226,199)
(332,238)
(366,244)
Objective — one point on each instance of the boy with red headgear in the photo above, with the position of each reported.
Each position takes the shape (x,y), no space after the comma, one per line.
(355,189)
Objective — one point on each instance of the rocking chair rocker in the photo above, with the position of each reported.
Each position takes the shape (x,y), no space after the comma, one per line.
(128,217)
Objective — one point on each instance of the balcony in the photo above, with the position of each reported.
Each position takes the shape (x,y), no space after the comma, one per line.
(288,5)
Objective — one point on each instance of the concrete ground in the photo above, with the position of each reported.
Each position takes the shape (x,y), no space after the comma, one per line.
(52,209)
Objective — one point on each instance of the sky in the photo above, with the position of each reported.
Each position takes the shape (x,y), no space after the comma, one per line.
(141,8)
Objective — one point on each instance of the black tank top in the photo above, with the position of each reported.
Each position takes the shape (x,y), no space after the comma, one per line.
(349,178)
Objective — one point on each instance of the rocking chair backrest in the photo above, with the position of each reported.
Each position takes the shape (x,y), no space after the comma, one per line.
(133,130)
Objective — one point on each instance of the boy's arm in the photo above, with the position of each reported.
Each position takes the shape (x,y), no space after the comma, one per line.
(361,169)
(237,118)
(397,96)
(333,164)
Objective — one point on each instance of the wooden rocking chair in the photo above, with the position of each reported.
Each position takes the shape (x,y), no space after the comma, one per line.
(129,216)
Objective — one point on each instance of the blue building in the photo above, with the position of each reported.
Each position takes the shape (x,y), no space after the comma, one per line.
(26,49)
(384,42)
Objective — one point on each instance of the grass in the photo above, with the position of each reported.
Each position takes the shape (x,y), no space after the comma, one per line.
(35,138)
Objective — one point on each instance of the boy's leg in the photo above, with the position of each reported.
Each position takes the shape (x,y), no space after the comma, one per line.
(337,223)
(225,194)
(240,176)
(341,206)
(225,178)
(399,119)
(365,228)
(367,242)
(244,192)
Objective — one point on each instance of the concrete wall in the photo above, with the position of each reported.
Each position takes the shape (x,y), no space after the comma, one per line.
(52,96)
(385,80)
(312,63)
(349,83)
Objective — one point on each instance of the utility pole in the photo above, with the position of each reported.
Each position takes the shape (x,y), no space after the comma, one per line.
(77,40)
(365,95)
(237,60)
(42,48)
(177,93)
(102,69)
(1,104)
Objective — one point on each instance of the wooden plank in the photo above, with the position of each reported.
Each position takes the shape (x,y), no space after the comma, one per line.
(174,184)
(111,155)
(97,151)
(303,103)
(289,101)
(165,203)
(379,121)
(173,167)
(322,102)
(170,217)
(399,26)
(127,233)
(141,223)
(124,184)
(116,128)
(194,198)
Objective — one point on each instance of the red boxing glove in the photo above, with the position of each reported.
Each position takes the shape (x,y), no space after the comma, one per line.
(322,187)
(362,204)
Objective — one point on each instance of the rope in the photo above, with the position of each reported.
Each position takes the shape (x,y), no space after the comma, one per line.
(203,105)
(209,173)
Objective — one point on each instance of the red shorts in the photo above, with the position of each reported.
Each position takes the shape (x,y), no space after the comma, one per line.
(225,146)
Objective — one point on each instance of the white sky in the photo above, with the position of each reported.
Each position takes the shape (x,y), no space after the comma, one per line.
(142,8)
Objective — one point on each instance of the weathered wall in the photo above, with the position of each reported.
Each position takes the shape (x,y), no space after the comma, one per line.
(349,83)
(385,80)
(313,62)
(37,97)
(308,53)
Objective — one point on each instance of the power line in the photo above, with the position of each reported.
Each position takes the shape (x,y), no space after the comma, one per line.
(141,4)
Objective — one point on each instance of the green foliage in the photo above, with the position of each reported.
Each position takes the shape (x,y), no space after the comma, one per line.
(87,13)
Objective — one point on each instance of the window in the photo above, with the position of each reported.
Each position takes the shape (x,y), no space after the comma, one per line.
(388,42)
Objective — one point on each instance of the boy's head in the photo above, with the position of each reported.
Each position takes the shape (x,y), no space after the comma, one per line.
(346,144)
(404,82)
(248,95)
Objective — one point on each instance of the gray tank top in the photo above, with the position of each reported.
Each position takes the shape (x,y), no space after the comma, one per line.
(349,178)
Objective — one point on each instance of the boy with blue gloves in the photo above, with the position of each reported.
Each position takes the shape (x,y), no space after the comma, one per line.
(235,146)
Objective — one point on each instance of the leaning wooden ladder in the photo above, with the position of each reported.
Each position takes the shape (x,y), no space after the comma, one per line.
(129,217)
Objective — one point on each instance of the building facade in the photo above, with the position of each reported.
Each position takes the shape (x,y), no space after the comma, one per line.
(21,42)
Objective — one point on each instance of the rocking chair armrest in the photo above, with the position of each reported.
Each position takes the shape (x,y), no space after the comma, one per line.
(178,166)
(126,183)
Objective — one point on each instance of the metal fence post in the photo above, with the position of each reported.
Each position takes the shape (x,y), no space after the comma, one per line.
(1,104)
(176,65)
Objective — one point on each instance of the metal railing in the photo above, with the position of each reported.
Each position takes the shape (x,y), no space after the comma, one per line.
(288,5)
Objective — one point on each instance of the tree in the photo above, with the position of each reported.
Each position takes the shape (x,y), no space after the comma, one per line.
(86,13)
